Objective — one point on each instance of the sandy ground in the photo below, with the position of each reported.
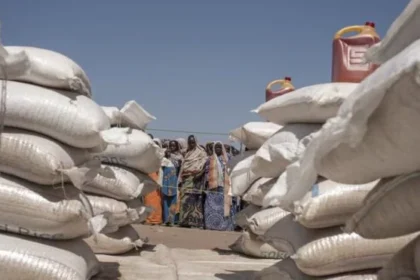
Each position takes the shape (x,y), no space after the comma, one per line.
(175,237)
(174,253)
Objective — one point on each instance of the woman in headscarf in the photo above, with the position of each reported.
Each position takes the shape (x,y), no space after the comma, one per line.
(154,199)
(183,145)
(191,185)
(175,154)
(209,148)
(219,210)
(168,179)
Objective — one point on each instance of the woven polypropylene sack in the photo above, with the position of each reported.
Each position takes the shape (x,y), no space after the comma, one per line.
(263,220)
(258,190)
(136,116)
(241,218)
(311,104)
(248,244)
(254,134)
(120,242)
(51,69)
(131,148)
(331,207)
(72,119)
(281,149)
(124,184)
(43,160)
(287,235)
(347,252)
(391,209)
(118,213)
(241,176)
(30,258)
(372,136)
(403,31)
(403,264)
(113,114)
(278,194)
(131,115)
(58,212)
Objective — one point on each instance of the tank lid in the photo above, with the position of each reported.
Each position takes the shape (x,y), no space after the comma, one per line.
(288,79)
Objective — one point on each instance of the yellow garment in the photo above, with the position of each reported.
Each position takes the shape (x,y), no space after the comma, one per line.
(154,200)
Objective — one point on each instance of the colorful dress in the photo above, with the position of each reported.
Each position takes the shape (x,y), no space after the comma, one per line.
(154,200)
(169,182)
(219,208)
(191,188)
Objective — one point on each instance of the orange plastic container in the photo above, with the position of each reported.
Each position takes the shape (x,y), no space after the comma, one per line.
(286,86)
(348,62)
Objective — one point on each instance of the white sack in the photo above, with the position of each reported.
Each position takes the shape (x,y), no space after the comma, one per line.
(276,195)
(288,235)
(372,136)
(262,221)
(403,31)
(254,134)
(241,218)
(403,264)
(113,114)
(120,242)
(49,69)
(249,245)
(27,258)
(59,212)
(347,252)
(131,115)
(391,209)
(42,160)
(240,175)
(131,148)
(136,116)
(258,190)
(287,270)
(118,213)
(311,104)
(330,204)
(121,183)
(72,119)
(281,149)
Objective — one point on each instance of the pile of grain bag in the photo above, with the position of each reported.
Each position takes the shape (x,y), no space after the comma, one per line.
(129,157)
(48,124)
(293,120)
(367,151)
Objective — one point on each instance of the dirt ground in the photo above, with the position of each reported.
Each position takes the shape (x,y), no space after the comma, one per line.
(176,237)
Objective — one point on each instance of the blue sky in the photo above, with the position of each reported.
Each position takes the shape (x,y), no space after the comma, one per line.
(196,65)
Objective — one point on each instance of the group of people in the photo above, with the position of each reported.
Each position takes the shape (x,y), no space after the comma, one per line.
(195,186)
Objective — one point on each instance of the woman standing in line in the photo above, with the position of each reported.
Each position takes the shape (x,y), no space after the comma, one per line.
(191,185)
(169,180)
(218,209)
(154,199)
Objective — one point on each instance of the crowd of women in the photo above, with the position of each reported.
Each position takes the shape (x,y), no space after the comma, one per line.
(194,186)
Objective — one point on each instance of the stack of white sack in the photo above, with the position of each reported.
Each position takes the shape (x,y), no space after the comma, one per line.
(298,115)
(370,138)
(128,159)
(131,115)
(50,123)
